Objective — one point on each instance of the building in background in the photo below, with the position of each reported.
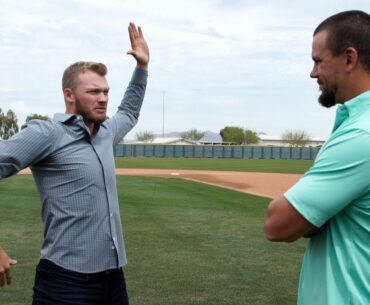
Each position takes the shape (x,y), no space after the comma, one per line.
(212,138)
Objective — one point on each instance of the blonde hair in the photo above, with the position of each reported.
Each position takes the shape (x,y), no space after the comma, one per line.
(70,75)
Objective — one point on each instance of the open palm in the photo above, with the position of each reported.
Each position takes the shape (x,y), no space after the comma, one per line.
(139,47)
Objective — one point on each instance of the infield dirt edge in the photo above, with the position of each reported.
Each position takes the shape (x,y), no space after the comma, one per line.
(268,185)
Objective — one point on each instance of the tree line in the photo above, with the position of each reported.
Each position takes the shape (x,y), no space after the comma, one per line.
(230,134)
(9,123)
(235,136)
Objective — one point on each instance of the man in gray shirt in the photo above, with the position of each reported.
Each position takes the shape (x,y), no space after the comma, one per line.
(71,158)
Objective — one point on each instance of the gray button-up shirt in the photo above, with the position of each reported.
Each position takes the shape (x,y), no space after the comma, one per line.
(75,177)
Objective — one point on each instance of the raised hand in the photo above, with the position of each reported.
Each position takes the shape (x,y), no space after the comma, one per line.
(139,47)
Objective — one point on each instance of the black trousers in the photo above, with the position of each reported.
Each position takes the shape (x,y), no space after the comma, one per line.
(55,285)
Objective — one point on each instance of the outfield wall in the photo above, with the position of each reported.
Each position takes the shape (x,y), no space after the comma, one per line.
(215,151)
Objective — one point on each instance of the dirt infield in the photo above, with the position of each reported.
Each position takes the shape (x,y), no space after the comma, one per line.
(263,184)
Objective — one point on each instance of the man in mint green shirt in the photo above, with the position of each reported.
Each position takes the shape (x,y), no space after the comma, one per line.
(330,204)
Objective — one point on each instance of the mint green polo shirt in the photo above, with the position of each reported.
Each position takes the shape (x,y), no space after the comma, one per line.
(335,192)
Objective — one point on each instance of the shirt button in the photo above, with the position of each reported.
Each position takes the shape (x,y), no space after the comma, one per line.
(114,238)
(113,247)
(111,214)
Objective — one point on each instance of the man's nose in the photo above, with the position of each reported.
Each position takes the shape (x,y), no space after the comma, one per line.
(313,73)
(103,97)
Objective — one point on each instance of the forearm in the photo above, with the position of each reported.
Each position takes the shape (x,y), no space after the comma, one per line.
(284,222)
(134,95)
(142,66)
(129,109)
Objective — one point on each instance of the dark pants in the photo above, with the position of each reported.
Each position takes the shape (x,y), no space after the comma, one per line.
(57,286)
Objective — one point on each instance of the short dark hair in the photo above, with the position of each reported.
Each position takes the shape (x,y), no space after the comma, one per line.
(348,29)
(70,75)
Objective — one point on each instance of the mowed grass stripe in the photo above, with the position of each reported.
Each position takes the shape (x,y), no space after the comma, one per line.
(187,243)
(245,165)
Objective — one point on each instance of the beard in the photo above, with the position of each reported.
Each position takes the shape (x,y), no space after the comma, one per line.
(88,115)
(327,97)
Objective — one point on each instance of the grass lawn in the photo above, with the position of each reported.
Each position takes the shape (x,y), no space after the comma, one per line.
(245,165)
(187,243)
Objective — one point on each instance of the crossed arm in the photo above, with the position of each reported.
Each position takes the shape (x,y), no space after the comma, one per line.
(285,223)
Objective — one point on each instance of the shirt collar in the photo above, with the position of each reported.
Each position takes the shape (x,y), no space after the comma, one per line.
(67,117)
(352,107)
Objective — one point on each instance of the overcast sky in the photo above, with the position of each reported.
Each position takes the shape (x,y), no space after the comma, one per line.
(214,63)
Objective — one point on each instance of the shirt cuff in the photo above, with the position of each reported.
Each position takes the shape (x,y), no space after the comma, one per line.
(139,76)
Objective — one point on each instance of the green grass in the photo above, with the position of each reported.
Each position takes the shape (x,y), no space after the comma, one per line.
(20,235)
(246,165)
(187,243)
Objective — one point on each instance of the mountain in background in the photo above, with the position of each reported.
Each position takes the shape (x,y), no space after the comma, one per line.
(210,136)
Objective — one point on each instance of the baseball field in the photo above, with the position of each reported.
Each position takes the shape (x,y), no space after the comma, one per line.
(187,242)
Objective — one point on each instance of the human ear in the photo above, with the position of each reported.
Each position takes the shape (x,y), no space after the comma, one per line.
(68,95)
(69,99)
(351,56)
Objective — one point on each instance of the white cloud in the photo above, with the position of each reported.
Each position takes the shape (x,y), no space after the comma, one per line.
(242,63)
